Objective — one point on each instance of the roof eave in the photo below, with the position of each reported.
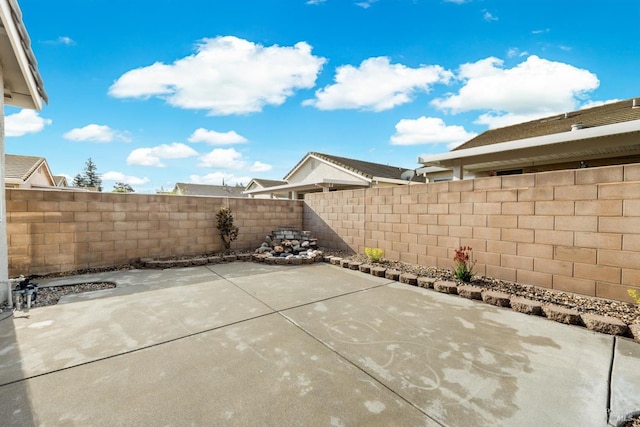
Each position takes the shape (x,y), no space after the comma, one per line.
(19,61)
(449,158)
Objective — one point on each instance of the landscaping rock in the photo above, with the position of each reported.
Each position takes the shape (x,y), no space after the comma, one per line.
(354,265)
(378,271)
(604,324)
(426,282)
(244,257)
(327,258)
(527,306)
(446,287)
(409,279)
(215,259)
(365,268)
(335,260)
(470,292)
(392,274)
(561,314)
(344,263)
(229,258)
(496,298)
(635,331)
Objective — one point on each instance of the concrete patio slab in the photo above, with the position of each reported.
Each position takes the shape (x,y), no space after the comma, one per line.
(60,336)
(260,372)
(625,381)
(293,287)
(465,362)
(243,344)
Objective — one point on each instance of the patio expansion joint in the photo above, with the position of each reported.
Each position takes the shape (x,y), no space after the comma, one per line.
(124,353)
(610,378)
(350,363)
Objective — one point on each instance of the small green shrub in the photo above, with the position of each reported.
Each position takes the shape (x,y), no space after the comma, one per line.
(228,231)
(374,254)
(635,295)
(464,263)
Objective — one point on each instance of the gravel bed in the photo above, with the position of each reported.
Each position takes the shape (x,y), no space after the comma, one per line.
(50,295)
(628,313)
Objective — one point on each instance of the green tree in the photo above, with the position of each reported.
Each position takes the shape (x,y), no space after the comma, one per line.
(89,176)
(228,231)
(122,187)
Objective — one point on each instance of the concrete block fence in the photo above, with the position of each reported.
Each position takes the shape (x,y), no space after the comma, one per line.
(55,231)
(572,230)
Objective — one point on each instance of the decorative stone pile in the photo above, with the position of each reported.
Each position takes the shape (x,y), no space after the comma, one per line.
(288,245)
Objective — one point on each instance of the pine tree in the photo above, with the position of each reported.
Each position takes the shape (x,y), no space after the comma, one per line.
(122,187)
(89,177)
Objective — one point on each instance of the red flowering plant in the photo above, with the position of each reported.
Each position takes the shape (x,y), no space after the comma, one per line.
(464,263)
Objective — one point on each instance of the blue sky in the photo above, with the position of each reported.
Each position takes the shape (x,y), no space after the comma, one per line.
(205,90)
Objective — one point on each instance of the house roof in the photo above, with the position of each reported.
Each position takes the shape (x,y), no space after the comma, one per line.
(23,86)
(60,180)
(607,114)
(266,183)
(368,170)
(21,167)
(607,131)
(209,190)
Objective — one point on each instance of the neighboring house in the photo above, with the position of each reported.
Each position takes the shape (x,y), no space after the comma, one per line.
(600,136)
(261,184)
(61,181)
(322,172)
(184,189)
(27,172)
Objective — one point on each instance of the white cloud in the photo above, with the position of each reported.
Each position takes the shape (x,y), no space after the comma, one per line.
(429,130)
(120,177)
(227,75)
(96,133)
(488,16)
(591,104)
(376,85)
(366,4)
(546,30)
(217,178)
(457,1)
(229,158)
(260,167)
(65,40)
(223,158)
(532,89)
(153,156)
(24,122)
(216,138)
(515,52)
(314,2)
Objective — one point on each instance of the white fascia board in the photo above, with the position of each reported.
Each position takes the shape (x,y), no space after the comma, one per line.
(304,186)
(393,181)
(13,34)
(538,141)
(350,172)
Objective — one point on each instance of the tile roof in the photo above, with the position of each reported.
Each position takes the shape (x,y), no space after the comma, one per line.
(266,183)
(615,112)
(21,167)
(209,190)
(367,169)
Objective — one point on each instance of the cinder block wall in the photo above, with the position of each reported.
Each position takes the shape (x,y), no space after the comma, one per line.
(574,230)
(56,231)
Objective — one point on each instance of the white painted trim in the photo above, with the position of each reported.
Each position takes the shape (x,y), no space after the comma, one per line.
(539,141)
(19,50)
